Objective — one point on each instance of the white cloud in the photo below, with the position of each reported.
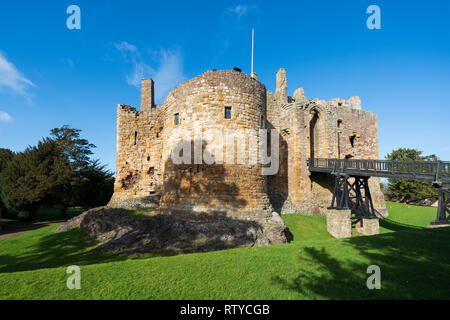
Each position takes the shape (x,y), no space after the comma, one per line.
(140,68)
(240,10)
(11,78)
(4,117)
(125,46)
(68,61)
(167,74)
(236,23)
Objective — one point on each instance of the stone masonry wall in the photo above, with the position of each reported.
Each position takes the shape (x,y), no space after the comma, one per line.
(234,188)
(139,148)
(323,129)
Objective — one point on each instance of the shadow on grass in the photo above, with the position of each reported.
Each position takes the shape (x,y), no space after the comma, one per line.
(414,265)
(130,238)
(56,250)
(397,226)
(45,217)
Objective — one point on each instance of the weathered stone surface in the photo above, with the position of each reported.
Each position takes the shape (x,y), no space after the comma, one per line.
(147,94)
(324,129)
(339,223)
(281,90)
(299,94)
(144,203)
(276,218)
(369,227)
(119,231)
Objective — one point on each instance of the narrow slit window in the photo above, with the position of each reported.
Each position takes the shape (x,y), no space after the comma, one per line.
(176,119)
(135,137)
(352,140)
(227,112)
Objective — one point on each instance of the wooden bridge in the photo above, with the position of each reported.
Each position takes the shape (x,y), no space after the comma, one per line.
(351,188)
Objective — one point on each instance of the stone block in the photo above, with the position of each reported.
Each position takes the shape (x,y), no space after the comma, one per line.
(369,227)
(339,224)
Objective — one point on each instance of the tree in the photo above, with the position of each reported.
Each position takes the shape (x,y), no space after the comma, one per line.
(96,185)
(57,173)
(5,156)
(38,177)
(92,185)
(75,149)
(409,190)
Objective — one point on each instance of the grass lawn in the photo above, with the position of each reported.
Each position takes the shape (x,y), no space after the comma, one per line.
(44,215)
(48,215)
(414,262)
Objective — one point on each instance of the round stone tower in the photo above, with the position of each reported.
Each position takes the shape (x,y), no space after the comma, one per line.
(211,125)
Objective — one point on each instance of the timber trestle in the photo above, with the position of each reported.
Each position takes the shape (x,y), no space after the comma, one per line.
(351,186)
(353,193)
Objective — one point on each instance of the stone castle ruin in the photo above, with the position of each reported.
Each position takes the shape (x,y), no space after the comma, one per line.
(230,101)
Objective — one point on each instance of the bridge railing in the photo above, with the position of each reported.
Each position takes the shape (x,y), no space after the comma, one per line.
(436,171)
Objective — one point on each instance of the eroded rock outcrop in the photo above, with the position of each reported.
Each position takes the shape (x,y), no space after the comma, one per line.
(121,231)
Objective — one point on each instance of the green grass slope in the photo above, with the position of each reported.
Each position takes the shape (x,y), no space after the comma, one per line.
(406,217)
(414,264)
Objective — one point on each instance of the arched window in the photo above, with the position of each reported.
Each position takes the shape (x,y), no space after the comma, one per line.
(313,139)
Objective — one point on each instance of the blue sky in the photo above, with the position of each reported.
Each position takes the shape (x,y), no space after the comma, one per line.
(51,76)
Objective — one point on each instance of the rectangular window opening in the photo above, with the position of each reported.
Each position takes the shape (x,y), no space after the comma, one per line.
(227,112)
(176,119)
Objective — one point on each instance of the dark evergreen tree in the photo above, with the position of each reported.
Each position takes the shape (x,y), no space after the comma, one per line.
(92,185)
(408,190)
(57,173)
(38,177)
(75,149)
(5,156)
(96,185)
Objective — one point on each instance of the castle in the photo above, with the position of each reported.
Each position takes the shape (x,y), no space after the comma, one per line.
(231,101)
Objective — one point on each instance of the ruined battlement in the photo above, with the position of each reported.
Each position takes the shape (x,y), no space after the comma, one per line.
(352,103)
(126,108)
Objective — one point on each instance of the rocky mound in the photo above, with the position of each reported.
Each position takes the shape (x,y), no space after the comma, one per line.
(121,231)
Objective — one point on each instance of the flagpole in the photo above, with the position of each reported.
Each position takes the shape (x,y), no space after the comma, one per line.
(253,41)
